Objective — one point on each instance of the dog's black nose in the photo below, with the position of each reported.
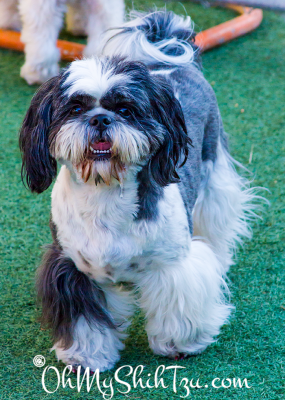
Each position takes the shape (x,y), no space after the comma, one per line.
(101,121)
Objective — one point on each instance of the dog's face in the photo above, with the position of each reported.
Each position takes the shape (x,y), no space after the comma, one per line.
(98,118)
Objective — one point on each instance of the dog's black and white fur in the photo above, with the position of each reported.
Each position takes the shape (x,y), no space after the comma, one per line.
(147,193)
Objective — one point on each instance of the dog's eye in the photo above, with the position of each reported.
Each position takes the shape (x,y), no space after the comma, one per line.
(76,110)
(124,112)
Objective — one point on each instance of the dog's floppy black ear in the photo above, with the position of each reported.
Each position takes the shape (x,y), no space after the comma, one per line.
(173,152)
(38,167)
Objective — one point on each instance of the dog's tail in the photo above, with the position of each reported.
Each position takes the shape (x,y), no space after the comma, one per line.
(157,37)
(226,206)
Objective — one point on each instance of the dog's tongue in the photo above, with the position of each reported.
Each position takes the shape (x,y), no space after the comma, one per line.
(102,146)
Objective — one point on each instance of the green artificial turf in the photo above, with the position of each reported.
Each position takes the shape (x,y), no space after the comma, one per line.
(247,74)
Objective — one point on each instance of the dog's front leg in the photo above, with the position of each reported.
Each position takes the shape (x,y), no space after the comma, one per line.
(87,321)
(184,302)
(41,20)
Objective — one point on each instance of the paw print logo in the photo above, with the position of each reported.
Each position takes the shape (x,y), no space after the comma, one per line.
(39,361)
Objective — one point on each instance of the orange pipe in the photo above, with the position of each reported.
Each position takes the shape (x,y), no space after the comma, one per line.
(249,20)
(68,50)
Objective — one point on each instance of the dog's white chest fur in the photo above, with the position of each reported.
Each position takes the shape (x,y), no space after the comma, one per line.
(97,229)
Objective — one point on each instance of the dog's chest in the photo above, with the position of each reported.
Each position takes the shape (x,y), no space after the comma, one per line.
(97,230)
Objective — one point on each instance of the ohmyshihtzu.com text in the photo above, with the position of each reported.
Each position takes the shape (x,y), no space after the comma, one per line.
(83,380)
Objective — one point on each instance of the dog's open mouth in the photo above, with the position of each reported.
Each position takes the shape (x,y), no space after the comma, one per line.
(102,163)
(100,151)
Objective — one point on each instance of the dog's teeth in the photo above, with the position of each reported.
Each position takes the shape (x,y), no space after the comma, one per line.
(100,151)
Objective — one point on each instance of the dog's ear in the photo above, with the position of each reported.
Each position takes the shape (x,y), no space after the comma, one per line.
(38,166)
(173,151)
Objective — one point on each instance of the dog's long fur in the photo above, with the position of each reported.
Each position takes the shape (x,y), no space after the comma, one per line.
(164,210)
(41,21)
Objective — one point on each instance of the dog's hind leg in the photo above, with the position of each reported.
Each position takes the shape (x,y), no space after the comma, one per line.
(41,21)
(224,206)
(9,15)
(103,14)
(87,321)
(184,302)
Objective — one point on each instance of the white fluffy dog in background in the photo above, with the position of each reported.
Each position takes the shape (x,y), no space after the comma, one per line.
(41,21)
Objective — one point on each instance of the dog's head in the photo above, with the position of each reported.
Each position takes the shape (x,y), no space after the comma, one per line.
(99,117)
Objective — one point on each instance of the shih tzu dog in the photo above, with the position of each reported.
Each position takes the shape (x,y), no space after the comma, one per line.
(41,21)
(147,193)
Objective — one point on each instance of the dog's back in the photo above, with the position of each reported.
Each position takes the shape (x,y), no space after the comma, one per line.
(209,183)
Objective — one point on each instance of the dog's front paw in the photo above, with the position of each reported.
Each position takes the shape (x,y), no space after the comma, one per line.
(37,74)
(175,350)
(75,356)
